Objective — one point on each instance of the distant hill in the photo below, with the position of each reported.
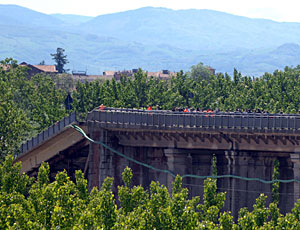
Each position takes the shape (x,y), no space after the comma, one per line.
(150,38)
(21,16)
(194,29)
(71,19)
(86,51)
(290,49)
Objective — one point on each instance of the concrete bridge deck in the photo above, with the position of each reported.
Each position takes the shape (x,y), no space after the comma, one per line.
(219,131)
(277,124)
(247,122)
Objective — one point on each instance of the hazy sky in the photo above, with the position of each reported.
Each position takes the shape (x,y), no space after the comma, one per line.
(278,10)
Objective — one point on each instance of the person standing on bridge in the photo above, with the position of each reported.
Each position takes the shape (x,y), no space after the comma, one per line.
(149,108)
(101,107)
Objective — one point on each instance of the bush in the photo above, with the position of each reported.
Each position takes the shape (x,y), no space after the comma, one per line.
(28,203)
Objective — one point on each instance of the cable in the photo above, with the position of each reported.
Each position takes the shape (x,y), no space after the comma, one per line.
(242,190)
(242,178)
(121,154)
(172,173)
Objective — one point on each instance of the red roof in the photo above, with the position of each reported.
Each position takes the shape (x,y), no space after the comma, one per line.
(46,68)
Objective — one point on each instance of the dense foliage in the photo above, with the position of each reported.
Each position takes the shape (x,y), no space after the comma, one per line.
(27,106)
(28,203)
(277,92)
(31,104)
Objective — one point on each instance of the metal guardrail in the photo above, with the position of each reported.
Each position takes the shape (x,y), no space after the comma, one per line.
(47,134)
(160,118)
(169,119)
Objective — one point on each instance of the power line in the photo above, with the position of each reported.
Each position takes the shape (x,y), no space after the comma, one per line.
(172,173)
(243,190)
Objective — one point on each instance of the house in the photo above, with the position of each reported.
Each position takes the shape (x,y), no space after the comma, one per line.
(89,78)
(109,73)
(163,74)
(35,69)
(212,70)
(46,68)
(117,74)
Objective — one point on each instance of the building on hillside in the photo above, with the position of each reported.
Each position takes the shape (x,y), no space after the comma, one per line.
(163,74)
(117,74)
(89,78)
(212,70)
(79,72)
(46,68)
(5,67)
(35,69)
(109,73)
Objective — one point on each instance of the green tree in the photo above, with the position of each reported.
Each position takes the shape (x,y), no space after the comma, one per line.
(61,60)
(213,201)
(47,102)
(14,123)
(37,203)
(200,72)
(275,186)
(140,87)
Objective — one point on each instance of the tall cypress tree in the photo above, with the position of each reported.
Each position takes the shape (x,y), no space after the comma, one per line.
(61,59)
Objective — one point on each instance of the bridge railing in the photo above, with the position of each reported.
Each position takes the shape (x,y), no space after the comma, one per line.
(47,134)
(158,118)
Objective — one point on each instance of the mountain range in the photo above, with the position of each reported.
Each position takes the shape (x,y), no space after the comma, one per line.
(150,38)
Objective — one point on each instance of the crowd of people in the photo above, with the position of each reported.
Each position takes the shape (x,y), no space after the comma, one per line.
(188,110)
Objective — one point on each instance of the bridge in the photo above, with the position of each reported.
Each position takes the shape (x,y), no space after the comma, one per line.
(184,143)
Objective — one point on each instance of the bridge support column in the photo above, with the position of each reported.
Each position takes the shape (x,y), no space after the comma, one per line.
(243,193)
(295,158)
(286,190)
(178,161)
(243,164)
(202,166)
(237,165)
(100,159)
